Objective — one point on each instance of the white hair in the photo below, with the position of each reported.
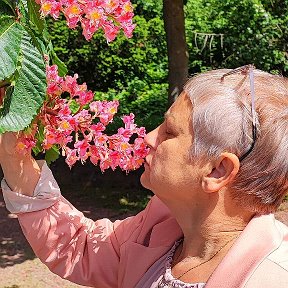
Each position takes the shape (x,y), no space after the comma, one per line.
(222,121)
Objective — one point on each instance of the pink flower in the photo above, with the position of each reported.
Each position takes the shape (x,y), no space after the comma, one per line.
(54,82)
(104,110)
(125,133)
(50,7)
(114,157)
(70,84)
(82,147)
(94,154)
(129,121)
(110,30)
(100,139)
(25,144)
(96,107)
(89,28)
(62,126)
(85,97)
(128,29)
(72,22)
(64,111)
(65,126)
(71,156)
(105,162)
(93,13)
(110,5)
(51,138)
(83,118)
(140,148)
(97,128)
(73,10)
(141,131)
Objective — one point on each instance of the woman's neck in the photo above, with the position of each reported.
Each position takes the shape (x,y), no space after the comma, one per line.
(207,229)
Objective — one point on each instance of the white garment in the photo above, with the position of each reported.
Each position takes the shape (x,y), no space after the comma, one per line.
(159,275)
(46,193)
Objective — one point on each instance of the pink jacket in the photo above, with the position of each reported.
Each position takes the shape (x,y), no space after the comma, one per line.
(105,254)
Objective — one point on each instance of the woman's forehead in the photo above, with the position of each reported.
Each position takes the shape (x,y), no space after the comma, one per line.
(182,105)
(180,113)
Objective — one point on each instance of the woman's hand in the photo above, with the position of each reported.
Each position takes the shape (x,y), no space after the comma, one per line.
(8,142)
(21,171)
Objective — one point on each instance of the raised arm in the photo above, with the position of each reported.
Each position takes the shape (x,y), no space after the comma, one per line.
(21,172)
(71,245)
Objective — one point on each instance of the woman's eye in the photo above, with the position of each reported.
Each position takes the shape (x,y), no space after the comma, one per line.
(168,133)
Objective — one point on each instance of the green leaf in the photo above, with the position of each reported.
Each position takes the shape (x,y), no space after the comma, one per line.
(29,89)
(4,4)
(74,106)
(52,155)
(40,138)
(62,68)
(10,39)
(34,15)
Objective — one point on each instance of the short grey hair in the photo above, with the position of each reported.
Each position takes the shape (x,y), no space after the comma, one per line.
(222,122)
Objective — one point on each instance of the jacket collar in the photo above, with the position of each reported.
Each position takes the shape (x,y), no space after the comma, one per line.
(260,238)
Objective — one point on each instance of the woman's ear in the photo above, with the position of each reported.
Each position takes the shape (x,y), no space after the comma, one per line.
(223,172)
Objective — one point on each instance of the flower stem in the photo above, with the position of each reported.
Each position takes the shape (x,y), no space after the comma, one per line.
(4,84)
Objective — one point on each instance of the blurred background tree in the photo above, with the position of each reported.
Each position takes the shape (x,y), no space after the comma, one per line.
(174,23)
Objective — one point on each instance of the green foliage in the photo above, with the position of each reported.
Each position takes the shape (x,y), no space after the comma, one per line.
(52,155)
(254,32)
(113,65)
(147,101)
(148,9)
(24,41)
(10,41)
(7,7)
(33,11)
(22,66)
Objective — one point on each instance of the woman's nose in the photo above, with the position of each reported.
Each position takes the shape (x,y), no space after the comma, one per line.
(151,139)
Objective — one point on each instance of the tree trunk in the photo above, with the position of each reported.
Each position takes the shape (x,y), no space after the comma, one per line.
(173,11)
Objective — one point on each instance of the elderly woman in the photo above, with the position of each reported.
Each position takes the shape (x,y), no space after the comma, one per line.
(218,168)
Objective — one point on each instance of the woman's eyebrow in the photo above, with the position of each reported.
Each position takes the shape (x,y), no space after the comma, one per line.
(168,114)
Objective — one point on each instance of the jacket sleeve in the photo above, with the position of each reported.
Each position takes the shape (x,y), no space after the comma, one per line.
(75,247)
(71,245)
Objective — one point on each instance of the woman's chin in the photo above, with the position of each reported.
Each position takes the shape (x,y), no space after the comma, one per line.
(144,178)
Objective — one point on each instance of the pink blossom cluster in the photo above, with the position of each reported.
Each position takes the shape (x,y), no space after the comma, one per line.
(81,134)
(109,15)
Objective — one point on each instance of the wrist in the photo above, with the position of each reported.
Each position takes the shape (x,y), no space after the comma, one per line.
(15,160)
(21,174)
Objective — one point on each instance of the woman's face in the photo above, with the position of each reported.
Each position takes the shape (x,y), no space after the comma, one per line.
(168,168)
